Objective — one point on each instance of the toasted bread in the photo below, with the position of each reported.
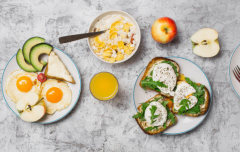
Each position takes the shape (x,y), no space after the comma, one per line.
(150,67)
(203,108)
(56,69)
(143,124)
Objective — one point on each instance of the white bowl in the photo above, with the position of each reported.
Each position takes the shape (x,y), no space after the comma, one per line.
(124,14)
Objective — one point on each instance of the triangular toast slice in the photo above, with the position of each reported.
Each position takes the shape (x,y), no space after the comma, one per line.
(143,124)
(56,69)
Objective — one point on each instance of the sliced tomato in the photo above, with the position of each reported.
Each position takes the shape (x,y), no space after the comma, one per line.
(41,77)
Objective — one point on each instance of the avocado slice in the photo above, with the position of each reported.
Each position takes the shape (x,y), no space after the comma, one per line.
(36,51)
(29,44)
(24,65)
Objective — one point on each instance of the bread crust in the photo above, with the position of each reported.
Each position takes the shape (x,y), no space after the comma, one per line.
(160,128)
(51,77)
(202,110)
(151,64)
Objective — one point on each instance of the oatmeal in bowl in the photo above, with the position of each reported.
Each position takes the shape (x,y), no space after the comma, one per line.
(121,39)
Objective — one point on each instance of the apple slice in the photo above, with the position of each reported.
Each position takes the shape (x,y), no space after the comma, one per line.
(31,109)
(205,42)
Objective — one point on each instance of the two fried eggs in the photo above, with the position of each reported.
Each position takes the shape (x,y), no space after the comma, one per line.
(56,94)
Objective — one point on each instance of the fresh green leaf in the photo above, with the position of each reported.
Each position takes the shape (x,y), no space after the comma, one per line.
(172,100)
(141,115)
(150,128)
(142,119)
(156,99)
(164,103)
(184,106)
(172,117)
(153,110)
(165,125)
(173,66)
(151,73)
(148,82)
(138,115)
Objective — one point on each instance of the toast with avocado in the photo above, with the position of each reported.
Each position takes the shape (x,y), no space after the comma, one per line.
(161,75)
(154,115)
(191,99)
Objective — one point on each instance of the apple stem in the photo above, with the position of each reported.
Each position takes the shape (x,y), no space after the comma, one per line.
(166,30)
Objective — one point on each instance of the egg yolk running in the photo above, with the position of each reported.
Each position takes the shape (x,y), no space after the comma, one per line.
(54,95)
(24,84)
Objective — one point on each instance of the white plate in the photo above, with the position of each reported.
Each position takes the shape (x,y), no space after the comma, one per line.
(234,61)
(124,14)
(76,88)
(195,73)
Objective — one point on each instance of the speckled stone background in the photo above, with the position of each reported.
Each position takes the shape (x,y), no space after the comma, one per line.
(107,126)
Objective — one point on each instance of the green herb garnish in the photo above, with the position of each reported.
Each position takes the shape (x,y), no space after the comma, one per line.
(150,128)
(151,73)
(153,110)
(148,82)
(185,106)
(173,66)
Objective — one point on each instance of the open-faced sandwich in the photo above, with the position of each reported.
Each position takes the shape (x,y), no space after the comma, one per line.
(154,115)
(161,75)
(190,98)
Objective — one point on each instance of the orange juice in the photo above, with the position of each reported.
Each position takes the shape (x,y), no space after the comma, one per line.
(104,86)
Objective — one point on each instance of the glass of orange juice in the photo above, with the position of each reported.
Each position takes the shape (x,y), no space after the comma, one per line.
(104,86)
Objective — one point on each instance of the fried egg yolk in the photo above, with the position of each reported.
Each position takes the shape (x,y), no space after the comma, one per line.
(54,95)
(24,84)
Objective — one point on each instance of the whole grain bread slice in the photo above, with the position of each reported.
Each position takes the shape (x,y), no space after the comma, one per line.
(203,108)
(150,67)
(143,124)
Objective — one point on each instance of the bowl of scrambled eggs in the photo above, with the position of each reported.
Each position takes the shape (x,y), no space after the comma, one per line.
(121,40)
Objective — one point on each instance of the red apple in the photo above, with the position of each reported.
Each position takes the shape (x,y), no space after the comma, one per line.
(164,30)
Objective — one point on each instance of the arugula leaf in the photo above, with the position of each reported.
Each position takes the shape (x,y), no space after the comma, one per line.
(171,116)
(156,99)
(165,125)
(141,115)
(164,103)
(148,82)
(150,128)
(173,66)
(151,73)
(153,110)
(185,106)
(138,115)
(172,100)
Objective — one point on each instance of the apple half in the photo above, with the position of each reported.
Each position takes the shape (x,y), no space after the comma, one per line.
(30,108)
(205,42)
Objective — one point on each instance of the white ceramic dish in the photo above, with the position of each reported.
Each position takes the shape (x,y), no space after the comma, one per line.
(124,14)
(76,88)
(234,61)
(195,73)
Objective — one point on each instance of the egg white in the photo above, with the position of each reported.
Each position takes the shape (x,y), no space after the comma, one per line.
(184,89)
(161,111)
(66,98)
(164,72)
(11,87)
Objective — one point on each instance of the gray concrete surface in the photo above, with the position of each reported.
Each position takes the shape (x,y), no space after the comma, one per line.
(107,126)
